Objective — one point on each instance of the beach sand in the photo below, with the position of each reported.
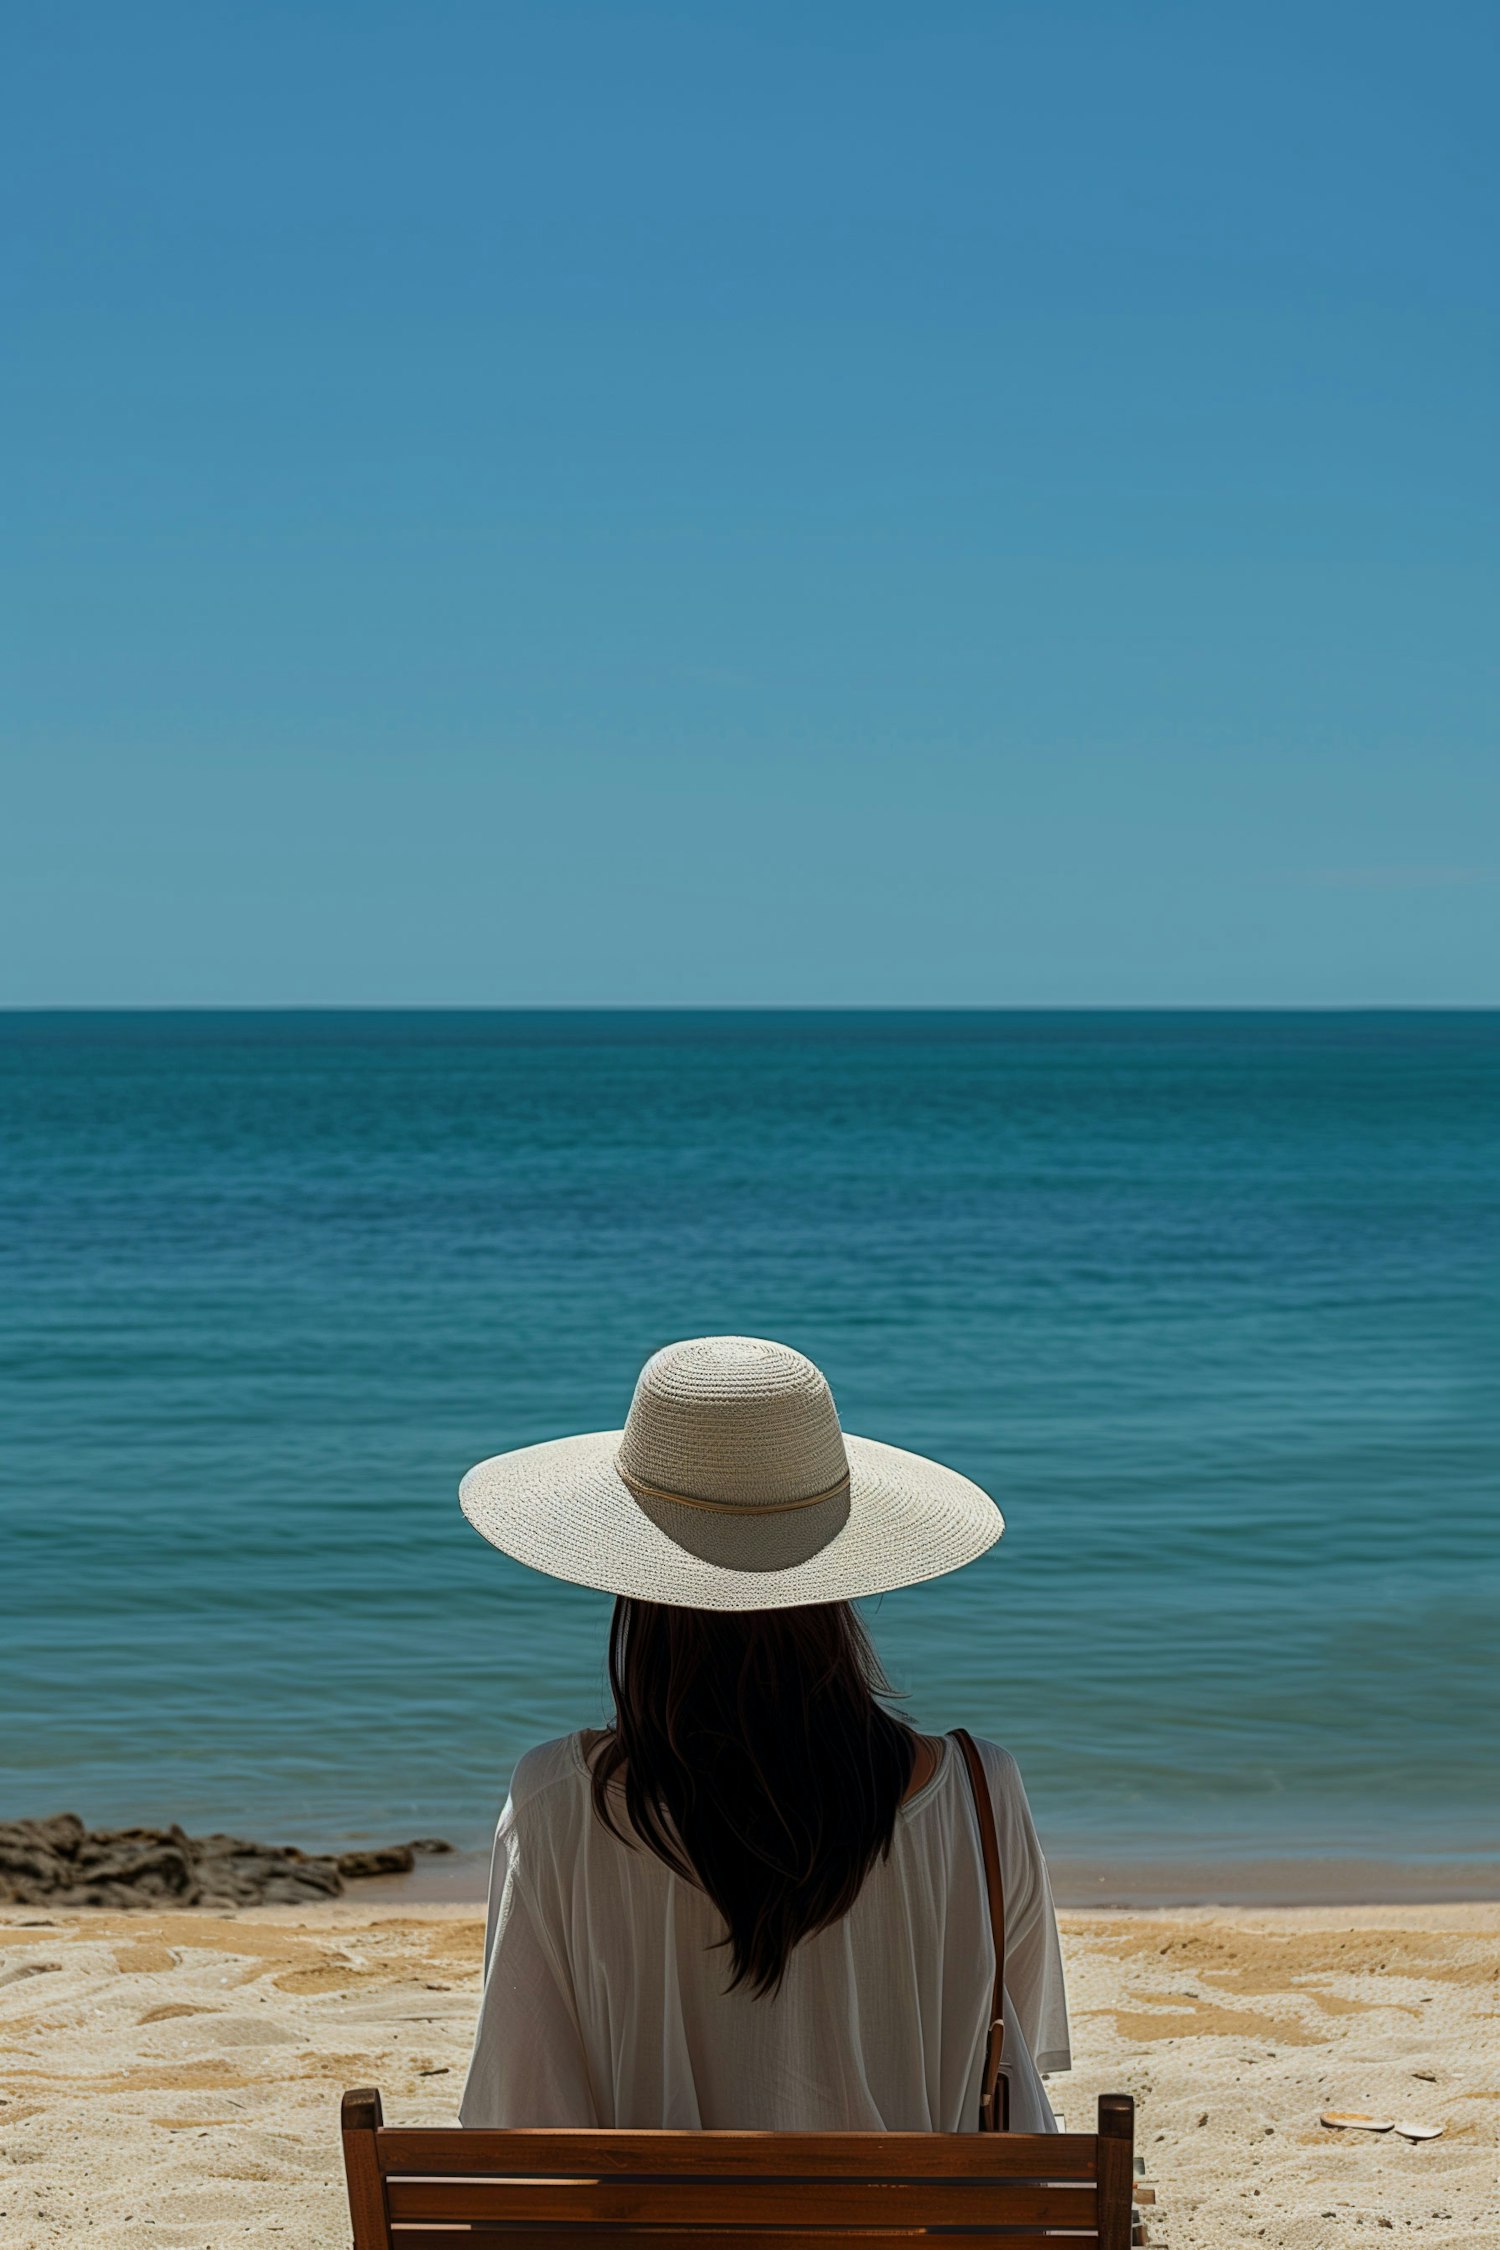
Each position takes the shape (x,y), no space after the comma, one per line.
(172,2080)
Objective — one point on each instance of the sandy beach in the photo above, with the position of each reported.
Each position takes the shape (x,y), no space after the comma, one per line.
(172,2080)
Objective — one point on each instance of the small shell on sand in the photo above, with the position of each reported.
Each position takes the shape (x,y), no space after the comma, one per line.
(1357,2120)
(1413,2132)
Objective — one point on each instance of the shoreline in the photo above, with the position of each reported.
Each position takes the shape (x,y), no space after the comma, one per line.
(1274,1882)
(461,1878)
(239,1874)
(172,2078)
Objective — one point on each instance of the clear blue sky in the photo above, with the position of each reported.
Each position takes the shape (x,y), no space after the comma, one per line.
(727,503)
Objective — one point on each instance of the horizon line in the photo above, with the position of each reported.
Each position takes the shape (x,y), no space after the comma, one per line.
(747,1007)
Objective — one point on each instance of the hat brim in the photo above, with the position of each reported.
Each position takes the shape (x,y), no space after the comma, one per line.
(564,1508)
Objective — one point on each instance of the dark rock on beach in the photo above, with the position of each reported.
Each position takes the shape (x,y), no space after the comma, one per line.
(59,1862)
(394,1859)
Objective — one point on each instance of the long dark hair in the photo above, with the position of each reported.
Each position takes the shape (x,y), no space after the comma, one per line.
(758,1762)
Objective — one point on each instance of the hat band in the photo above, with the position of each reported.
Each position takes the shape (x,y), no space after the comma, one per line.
(644,1491)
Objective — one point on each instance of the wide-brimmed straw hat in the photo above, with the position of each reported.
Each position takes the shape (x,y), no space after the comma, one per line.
(731,1486)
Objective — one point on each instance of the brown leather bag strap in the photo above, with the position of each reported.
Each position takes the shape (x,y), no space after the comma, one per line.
(994,2087)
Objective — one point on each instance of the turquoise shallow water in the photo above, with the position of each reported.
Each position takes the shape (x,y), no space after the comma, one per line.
(1211,1303)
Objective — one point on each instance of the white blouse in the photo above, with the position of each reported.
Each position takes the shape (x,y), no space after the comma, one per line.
(604,2000)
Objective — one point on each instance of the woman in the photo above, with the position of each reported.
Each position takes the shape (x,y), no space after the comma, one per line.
(758,1900)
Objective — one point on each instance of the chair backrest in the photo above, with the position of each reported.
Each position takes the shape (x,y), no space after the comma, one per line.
(451,2189)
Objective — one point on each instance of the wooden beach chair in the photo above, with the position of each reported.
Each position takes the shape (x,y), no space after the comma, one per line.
(448,2188)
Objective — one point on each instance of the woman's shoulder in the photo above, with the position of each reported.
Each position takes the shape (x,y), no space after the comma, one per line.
(1000,1771)
(998,1763)
(549,1771)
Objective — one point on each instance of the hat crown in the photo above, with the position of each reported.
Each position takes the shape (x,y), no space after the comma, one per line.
(734,1420)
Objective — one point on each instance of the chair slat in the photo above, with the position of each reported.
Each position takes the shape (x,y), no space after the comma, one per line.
(715,2203)
(449,2150)
(421,2237)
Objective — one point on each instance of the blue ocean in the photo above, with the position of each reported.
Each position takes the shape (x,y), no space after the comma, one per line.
(1210,1303)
